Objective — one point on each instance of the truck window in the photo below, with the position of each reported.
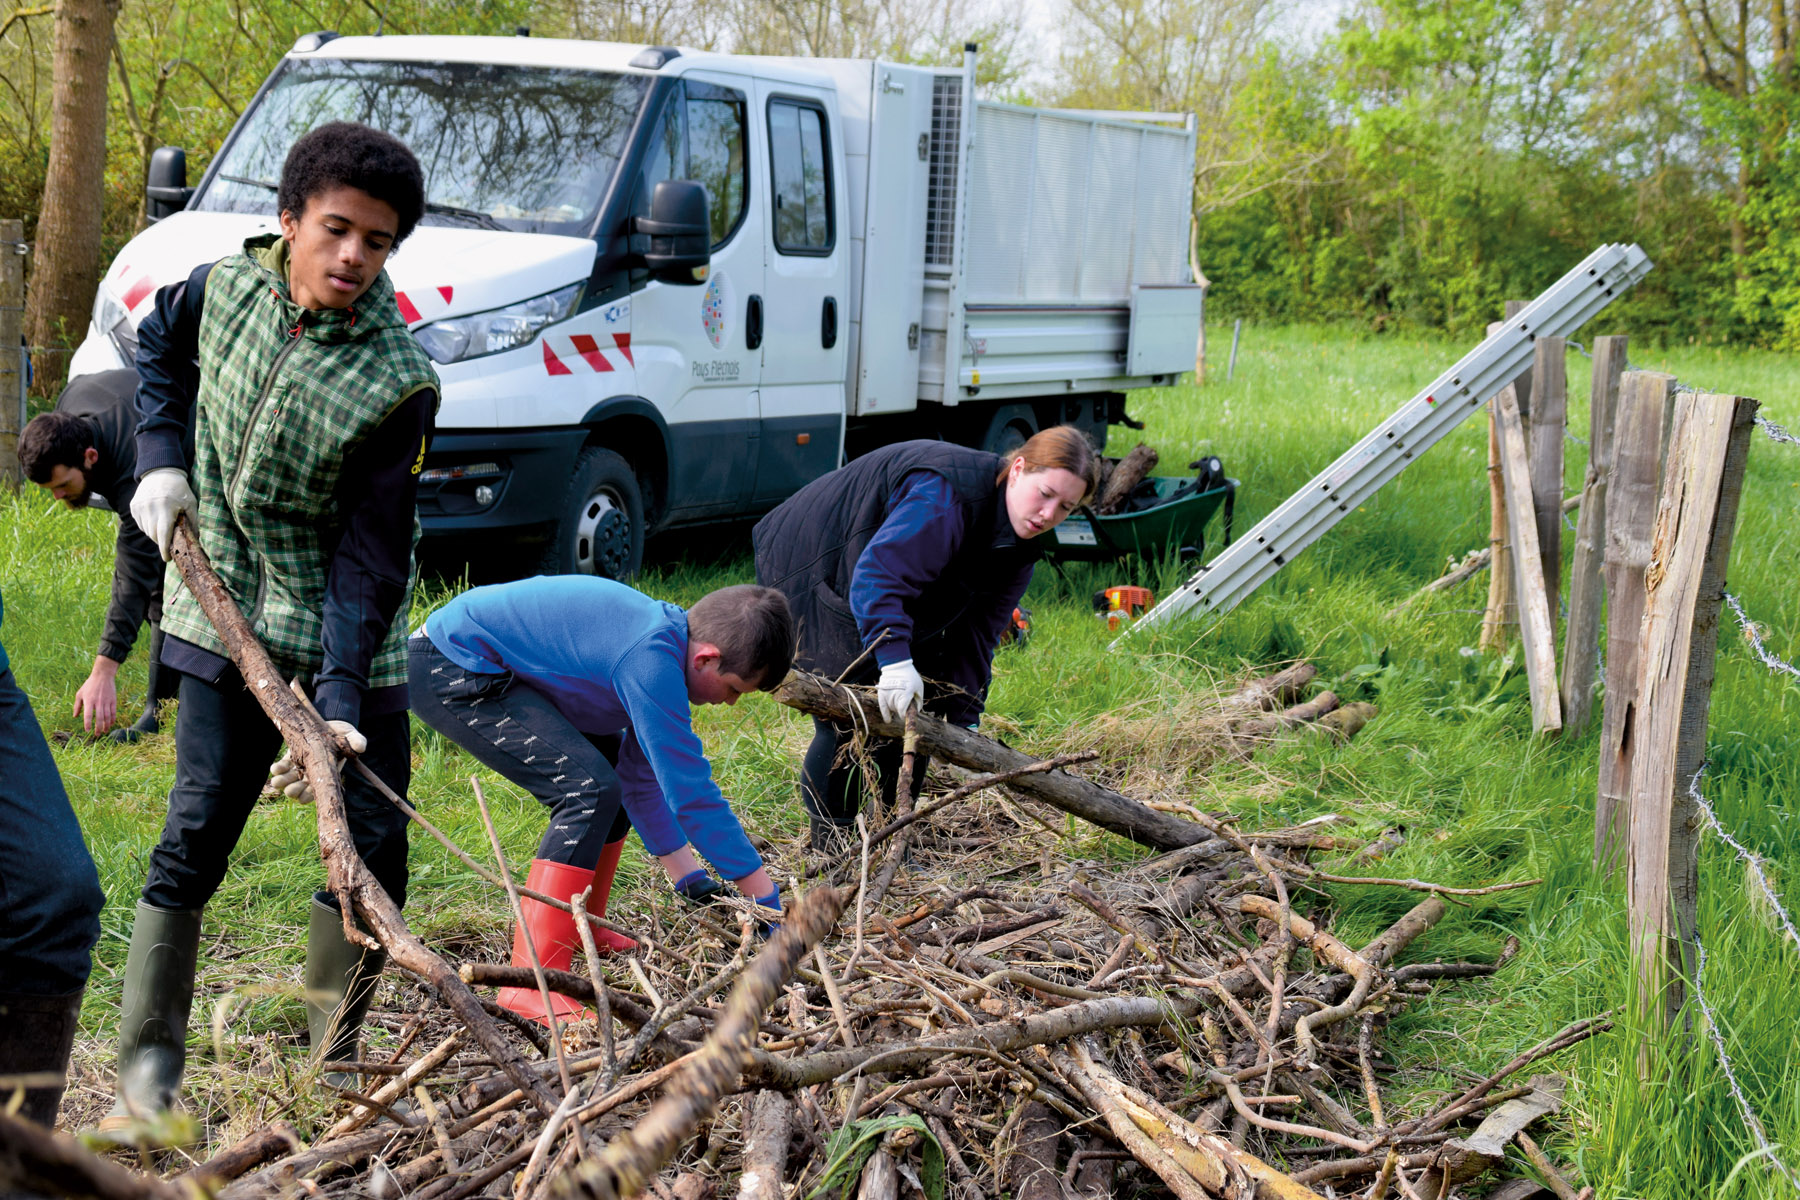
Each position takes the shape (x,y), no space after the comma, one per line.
(702,135)
(503,147)
(802,177)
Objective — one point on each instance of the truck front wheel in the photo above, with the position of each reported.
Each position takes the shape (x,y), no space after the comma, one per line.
(600,529)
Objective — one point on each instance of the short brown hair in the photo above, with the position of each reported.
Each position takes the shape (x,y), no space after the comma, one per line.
(1063,447)
(752,628)
(51,440)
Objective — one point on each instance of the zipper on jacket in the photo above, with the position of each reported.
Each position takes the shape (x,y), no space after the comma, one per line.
(296,335)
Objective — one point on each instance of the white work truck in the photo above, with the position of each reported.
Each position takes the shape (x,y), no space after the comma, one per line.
(664,287)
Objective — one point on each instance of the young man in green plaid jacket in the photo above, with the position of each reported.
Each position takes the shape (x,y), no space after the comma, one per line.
(311,407)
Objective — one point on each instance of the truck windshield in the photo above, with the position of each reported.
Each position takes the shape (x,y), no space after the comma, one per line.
(503,147)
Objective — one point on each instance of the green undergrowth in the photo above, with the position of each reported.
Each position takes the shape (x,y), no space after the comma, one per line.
(1450,760)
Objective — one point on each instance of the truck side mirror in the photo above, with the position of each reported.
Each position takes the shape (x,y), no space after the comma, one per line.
(675,240)
(166,190)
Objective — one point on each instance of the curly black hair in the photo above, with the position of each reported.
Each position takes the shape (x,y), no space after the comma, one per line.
(345,154)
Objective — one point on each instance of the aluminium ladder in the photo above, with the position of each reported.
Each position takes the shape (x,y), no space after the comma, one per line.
(1424,420)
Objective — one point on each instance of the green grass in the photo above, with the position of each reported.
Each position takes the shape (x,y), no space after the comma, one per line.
(1450,758)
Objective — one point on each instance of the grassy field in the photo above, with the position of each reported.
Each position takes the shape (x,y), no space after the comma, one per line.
(1450,758)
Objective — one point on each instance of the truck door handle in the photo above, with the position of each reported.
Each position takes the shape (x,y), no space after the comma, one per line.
(828,323)
(753,323)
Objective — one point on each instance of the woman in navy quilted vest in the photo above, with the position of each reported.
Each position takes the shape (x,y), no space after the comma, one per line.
(903,569)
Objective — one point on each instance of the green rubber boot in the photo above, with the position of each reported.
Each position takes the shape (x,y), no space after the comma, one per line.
(159,991)
(340,983)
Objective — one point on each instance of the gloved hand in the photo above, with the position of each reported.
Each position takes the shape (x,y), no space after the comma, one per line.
(698,887)
(162,496)
(285,775)
(898,689)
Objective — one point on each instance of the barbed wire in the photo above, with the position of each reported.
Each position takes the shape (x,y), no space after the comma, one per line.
(1756,643)
(1776,433)
(1751,858)
(1718,1040)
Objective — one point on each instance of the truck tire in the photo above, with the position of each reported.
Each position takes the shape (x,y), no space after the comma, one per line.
(1010,427)
(600,529)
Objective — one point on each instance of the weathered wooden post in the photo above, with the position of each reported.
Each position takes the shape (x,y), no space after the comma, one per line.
(1685,587)
(1549,421)
(1581,636)
(12,350)
(1537,624)
(1630,514)
(1502,612)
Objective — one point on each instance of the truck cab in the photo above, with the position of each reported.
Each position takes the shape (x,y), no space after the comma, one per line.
(664,287)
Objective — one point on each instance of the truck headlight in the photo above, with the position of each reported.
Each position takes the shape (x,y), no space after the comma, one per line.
(497,329)
(111,319)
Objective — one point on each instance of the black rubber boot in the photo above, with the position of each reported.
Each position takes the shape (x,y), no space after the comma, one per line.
(159,991)
(340,983)
(162,685)
(830,837)
(36,1033)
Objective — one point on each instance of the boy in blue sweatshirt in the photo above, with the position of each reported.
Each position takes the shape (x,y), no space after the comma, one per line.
(577,689)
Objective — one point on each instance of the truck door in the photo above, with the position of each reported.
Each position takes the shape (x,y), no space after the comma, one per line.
(807,287)
(698,347)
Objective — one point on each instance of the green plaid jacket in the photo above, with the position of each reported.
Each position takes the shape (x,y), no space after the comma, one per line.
(285,394)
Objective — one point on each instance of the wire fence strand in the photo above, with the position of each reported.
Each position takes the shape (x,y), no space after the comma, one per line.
(1751,634)
(1718,1040)
(1776,433)
(1750,858)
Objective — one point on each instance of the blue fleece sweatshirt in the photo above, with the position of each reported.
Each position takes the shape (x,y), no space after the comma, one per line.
(612,661)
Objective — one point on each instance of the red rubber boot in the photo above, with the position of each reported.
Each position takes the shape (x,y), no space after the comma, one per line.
(553,933)
(605,940)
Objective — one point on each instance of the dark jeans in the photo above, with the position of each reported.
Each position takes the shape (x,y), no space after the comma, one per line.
(223,747)
(510,728)
(50,896)
(831,779)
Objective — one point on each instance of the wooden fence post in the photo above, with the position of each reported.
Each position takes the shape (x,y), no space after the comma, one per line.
(12,354)
(1501,613)
(1549,421)
(1537,627)
(1685,584)
(1581,636)
(1630,515)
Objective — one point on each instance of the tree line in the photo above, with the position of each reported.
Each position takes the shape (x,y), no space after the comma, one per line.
(1389,162)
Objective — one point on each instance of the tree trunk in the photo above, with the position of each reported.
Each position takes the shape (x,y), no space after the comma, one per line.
(67,266)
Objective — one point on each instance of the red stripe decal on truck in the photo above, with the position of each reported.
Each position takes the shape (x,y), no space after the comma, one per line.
(408,313)
(446,293)
(590,352)
(623,342)
(552,364)
(137,291)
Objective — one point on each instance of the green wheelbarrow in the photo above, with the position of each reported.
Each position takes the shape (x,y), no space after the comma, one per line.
(1166,514)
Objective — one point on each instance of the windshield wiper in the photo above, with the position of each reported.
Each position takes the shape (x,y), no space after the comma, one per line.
(468,214)
(261,183)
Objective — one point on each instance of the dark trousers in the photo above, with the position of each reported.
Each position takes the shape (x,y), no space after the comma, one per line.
(224,744)
(831,776)
(50,896)
(514,730)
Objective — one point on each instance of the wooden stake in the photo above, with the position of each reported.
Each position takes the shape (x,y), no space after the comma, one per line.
(1581,637)
(1704,473)
(1536,628)
(12,349)
(1549,422)
(1630,514)
(1499,615)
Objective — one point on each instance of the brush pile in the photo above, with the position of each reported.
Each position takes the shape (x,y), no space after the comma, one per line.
(955,1007)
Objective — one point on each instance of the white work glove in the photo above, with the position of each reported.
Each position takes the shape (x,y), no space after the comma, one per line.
(285,775)
(899,689)
(161,497)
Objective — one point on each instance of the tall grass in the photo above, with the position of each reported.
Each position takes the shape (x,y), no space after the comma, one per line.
(1450,759)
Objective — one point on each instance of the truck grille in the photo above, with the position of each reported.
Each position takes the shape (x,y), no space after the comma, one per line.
(940,202)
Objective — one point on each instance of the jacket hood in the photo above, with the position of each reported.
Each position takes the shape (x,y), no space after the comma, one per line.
(374,310)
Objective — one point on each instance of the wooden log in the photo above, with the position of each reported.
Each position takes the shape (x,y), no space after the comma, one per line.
(349,878)
(1581,636)
(1250,732)
(965,748)
(635,1155)
(1270,691)
(1536,626)
(1499,616)
(12,350)
(1348,721)
(1124,479)
(766,1147)
(35,1161)
(1473,563)
(246,1154)
(1630,516)
(1032,1168)
(1684,589)
(1549,422)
